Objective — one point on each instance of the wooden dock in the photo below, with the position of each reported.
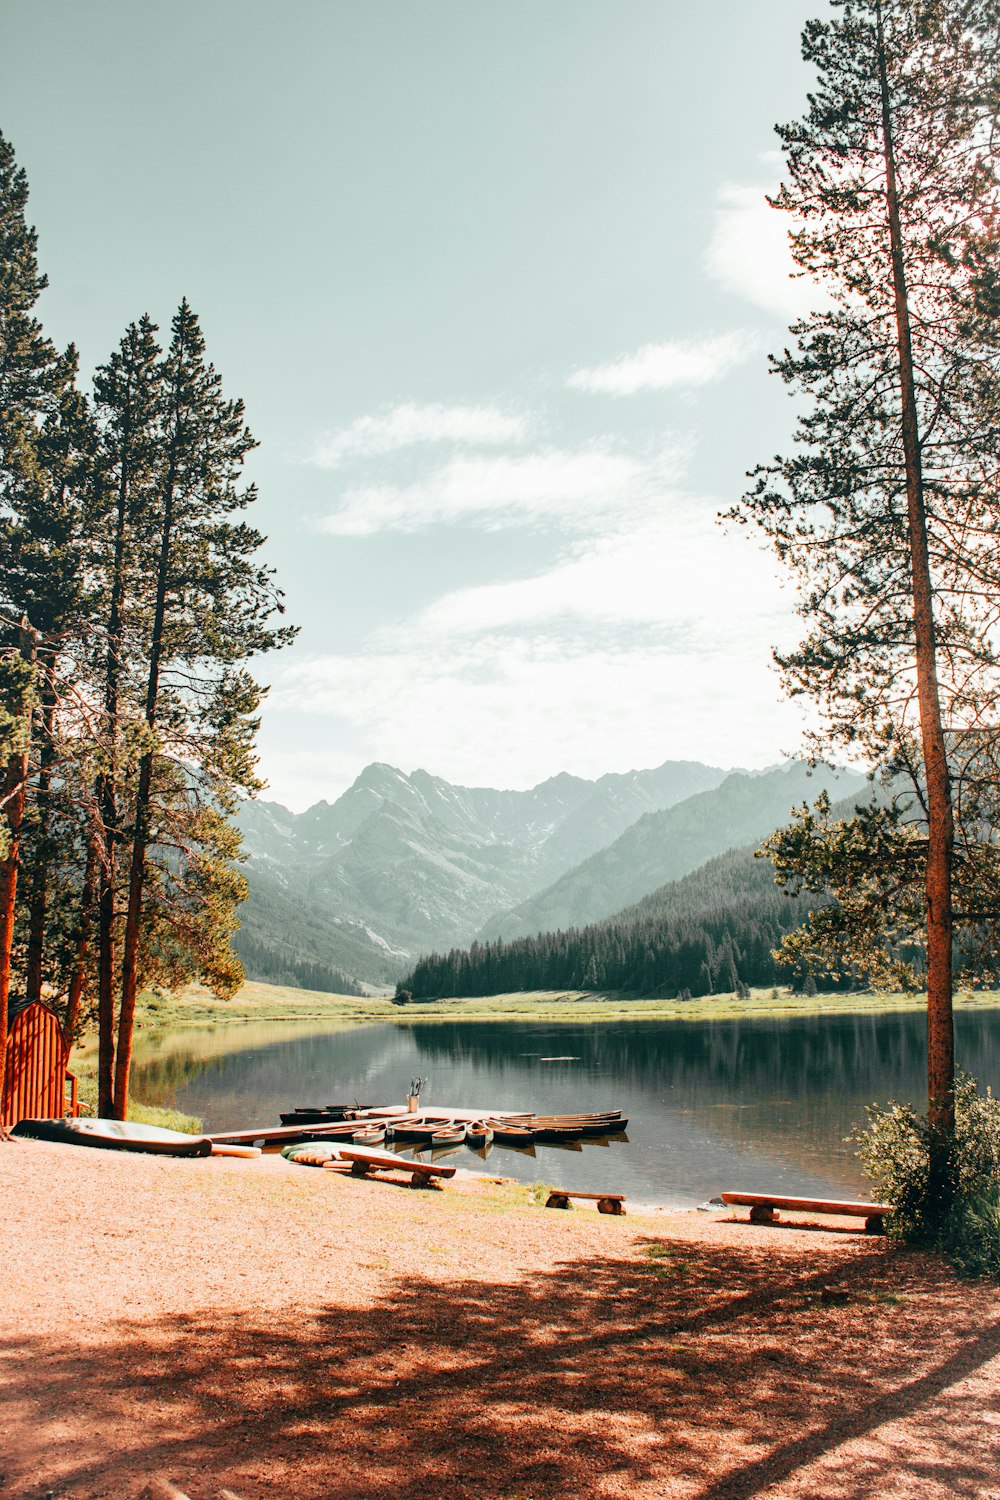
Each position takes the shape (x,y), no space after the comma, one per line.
(559,1128)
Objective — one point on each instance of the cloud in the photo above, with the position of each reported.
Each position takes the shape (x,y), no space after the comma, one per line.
(629,650)
(510,711)
(749,253)
(678,571)
(657,367)
(572,487)
(407,425)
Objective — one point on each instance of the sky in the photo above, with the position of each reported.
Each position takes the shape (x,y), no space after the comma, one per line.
(497,283)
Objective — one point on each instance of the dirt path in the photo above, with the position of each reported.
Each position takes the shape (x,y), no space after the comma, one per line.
(295,1334)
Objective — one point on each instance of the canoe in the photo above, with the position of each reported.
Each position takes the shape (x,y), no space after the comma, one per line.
(419,1130)
(321,1114)
(555,1130)
(447,1135)
(609,1119)
(115,1135)
(478,1134)
(506,1133)
(371,1135)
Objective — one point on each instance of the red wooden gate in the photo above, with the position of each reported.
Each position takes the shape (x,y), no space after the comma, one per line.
(35,1086)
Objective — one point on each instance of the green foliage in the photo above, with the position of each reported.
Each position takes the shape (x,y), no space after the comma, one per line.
(885,509)
(128,564)
(17,701)
(896,1153)
(714,932)
(27,358)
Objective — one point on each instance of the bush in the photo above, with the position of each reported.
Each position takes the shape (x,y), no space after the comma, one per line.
(895,1152)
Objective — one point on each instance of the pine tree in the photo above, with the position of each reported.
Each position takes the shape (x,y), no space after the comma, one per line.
(44,548)
(129,401)
(210,607)
(887,511)
(29,380)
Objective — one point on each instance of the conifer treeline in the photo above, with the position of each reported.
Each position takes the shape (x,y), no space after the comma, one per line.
(131,599)
(711,933)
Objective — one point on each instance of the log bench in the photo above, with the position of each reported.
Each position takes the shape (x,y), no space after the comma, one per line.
(607,1203)
(364,1160)
(764,1207)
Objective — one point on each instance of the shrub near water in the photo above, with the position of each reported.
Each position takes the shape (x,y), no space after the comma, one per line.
(895,1152)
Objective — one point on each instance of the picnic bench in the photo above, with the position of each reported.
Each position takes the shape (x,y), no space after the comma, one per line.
(607,1203)
(764,1207)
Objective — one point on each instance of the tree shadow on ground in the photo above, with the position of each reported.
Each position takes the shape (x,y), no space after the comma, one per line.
(719,1372)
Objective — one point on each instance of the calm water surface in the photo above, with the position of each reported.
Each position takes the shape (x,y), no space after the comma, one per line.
(712,1105)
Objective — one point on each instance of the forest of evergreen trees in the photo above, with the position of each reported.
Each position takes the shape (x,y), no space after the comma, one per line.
(713,932)
(132,600)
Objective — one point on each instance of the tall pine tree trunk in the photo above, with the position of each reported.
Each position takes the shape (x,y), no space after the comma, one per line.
(106,975)
(38,895)
(84,922)
(107,802)
(140,840)
(15,786)
(940,814)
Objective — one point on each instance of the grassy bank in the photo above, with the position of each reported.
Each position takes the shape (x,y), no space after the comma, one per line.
(85,1069)
(262,1003)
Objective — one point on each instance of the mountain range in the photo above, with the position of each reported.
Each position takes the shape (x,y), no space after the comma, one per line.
(346,895)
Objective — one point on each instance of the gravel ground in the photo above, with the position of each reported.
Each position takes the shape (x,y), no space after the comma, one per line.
(289,1332)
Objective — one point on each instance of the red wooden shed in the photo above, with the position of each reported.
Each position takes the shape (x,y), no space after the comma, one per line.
(37,1079)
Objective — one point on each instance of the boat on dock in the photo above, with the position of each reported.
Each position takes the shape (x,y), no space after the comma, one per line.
(478,1135)
(321,1114)
(421,1130)
(442,1126)
(510,1133)
(447,1135)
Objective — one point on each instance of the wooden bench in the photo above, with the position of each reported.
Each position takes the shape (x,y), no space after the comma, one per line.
(607,1203)
(364,1160)
(764,1207)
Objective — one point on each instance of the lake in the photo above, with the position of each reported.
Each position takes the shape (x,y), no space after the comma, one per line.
(736,1104)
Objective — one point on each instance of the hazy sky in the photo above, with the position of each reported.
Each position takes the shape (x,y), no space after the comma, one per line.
(497,283)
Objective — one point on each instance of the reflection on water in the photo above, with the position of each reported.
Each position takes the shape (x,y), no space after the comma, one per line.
(711,1105)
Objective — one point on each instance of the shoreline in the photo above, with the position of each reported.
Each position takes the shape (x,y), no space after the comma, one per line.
(269,1004)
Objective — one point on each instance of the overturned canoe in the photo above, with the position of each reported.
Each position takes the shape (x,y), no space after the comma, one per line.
(116,1135)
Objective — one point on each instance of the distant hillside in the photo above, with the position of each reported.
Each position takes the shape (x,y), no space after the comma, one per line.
(289,939)
(706,933)
(400,864)
(666,845)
